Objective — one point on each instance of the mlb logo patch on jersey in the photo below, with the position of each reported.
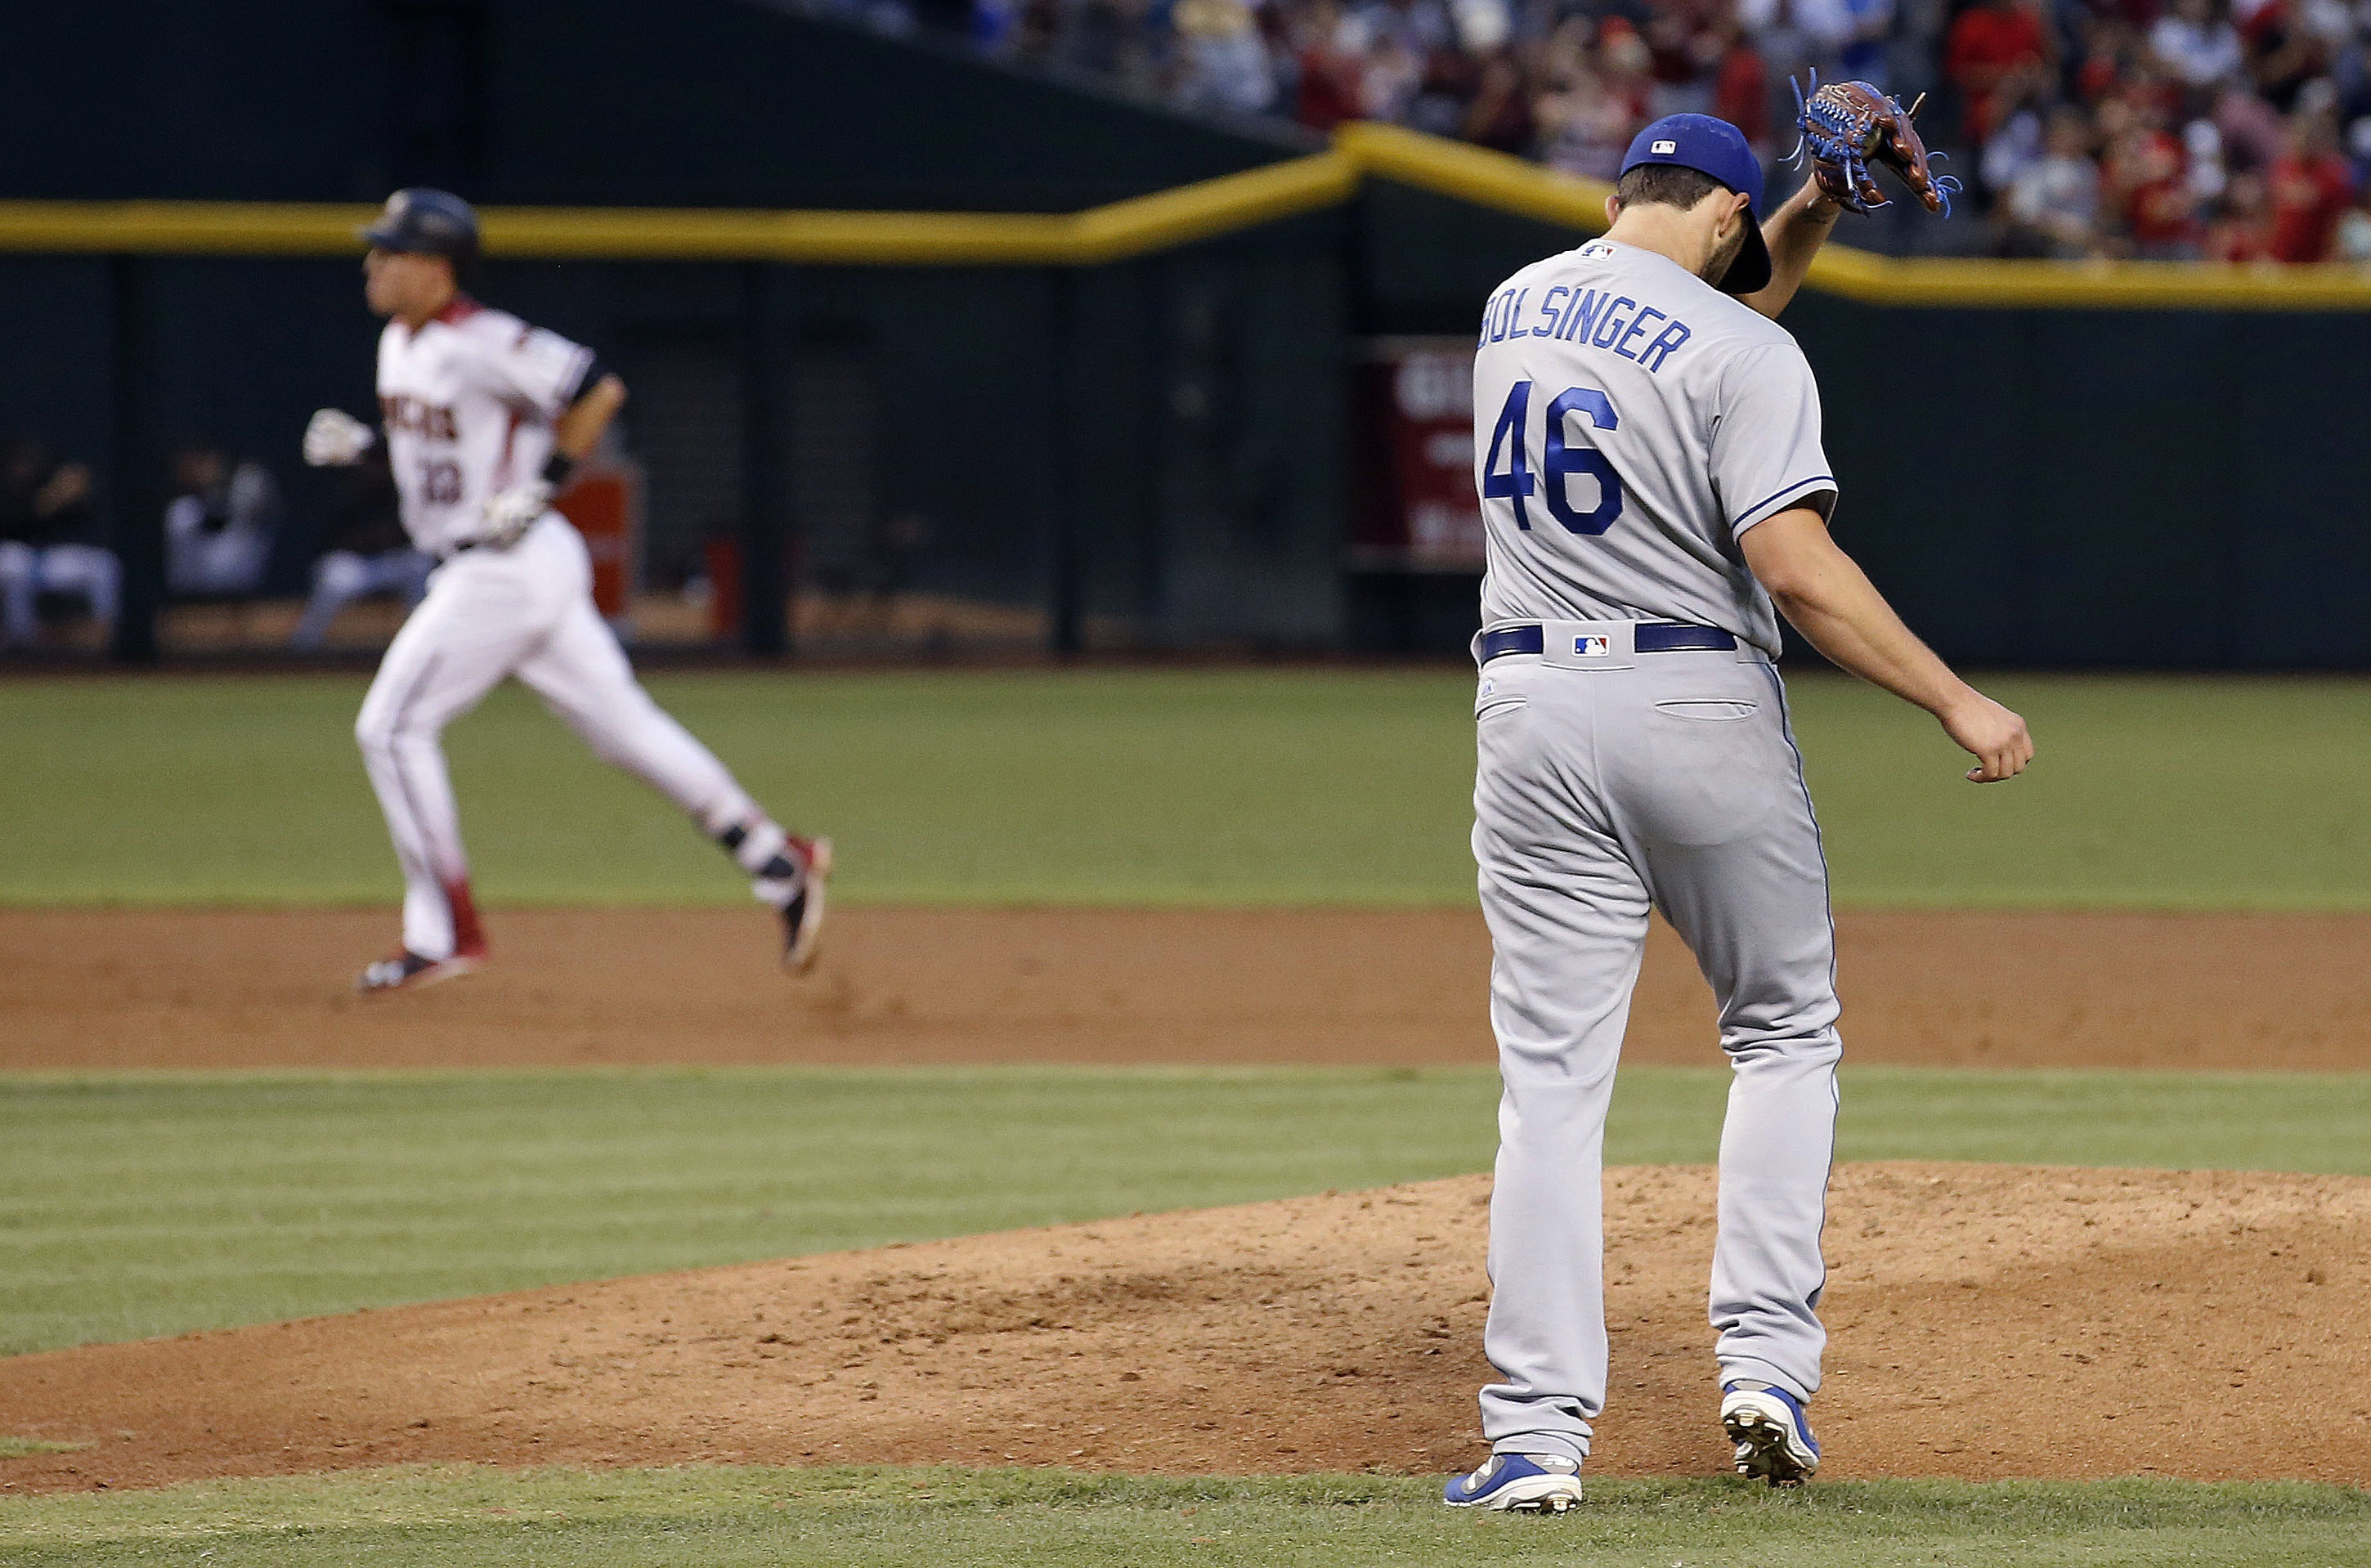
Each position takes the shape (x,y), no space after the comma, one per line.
(1592,647)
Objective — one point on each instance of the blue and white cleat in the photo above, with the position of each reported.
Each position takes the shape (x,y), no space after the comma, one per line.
(1518,1483)
(1772,1433)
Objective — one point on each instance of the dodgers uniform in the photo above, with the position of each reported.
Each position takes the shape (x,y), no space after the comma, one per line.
(467,403)
(1633,422)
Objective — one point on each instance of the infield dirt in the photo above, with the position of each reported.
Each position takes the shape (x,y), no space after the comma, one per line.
(255,988)
(1988,1322)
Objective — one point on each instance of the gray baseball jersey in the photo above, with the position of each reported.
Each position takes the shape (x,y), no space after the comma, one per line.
(1638,422)
(1631,423)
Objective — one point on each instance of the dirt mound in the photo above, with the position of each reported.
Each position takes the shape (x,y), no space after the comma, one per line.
(1988,1322)
(255,987)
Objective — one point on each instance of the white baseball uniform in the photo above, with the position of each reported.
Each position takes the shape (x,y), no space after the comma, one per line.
(1632,423)
(468,403)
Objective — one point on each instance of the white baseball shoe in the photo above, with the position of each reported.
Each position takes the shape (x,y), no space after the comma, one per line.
(802,906)
(1518,1483)
(407,971)
(1772,1433)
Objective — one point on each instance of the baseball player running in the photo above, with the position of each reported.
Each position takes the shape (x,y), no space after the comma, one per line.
(1651,469)
(484,416)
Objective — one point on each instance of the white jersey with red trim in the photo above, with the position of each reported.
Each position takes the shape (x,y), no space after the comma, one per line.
(468,402)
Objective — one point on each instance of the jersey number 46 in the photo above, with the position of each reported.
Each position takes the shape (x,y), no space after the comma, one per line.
(1559,461)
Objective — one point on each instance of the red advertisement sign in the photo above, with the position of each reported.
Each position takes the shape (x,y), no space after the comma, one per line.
(1416,509)
(605,501)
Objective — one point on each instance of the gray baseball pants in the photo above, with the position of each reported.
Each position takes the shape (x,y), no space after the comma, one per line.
(1609,782)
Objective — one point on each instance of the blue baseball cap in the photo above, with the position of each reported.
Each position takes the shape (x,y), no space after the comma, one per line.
(1720,149)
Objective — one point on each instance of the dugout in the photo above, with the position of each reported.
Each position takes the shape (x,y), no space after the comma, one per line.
(1082,366)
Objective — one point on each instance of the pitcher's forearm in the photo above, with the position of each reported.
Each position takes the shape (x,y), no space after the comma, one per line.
(1859,633)
(1825,595)
(1794,233)
(1839,611)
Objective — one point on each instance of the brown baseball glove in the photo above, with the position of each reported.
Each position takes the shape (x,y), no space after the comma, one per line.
(1846,127)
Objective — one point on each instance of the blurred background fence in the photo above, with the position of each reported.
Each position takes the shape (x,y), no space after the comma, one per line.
(1217,409)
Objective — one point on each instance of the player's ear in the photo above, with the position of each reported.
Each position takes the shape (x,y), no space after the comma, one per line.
(1733,217)
(1612,209)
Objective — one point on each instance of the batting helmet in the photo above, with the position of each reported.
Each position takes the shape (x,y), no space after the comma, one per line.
(427,223)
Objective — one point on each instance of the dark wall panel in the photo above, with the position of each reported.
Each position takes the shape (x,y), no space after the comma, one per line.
(1933,476)
(723,102)
(256,100)
(2297,404)
(665,102)
(2033,488)
(2158,489)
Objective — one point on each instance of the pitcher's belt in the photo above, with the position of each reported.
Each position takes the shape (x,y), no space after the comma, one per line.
(1647,636)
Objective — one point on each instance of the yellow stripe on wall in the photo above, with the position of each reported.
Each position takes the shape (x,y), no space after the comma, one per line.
(1147,225)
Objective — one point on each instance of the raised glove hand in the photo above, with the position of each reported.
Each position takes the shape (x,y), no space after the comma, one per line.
(1848,126)
(334,438)
(509,515)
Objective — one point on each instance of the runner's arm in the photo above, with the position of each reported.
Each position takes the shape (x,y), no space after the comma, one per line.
(578,428)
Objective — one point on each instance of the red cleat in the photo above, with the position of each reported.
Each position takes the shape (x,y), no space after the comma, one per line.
(407,971)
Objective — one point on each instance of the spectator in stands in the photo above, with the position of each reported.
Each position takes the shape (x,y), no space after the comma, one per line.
(1740,92)
(1996,51)
(1684,52)
(1329,75)
(2289,43)
(1797,37)
(2017,142)
(218,526)
(1596,100)
(2175,99)
(2310,186)
(1500,115)
(1863,59)
(368,551)
(2054,201)
(2355,231)
(2197,44)
(2253,129)
(49,542)
(1222,58)
(2147,188)
(2237,226)
(2109,46)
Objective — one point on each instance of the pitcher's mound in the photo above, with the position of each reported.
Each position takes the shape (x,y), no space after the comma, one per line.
(1987,1320)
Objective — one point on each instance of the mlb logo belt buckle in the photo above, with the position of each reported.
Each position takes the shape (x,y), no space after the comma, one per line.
(1593,647)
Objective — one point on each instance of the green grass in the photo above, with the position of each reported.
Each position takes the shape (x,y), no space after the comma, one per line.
(718,1517)
(141,1205)
(17,1447)
(1151,787)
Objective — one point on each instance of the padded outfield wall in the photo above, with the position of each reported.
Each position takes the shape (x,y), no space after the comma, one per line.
(1155,451)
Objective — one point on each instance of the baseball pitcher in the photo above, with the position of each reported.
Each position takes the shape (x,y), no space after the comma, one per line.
(484,417)
(1655,495)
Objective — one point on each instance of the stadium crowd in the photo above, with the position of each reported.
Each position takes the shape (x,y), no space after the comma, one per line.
(2229,130)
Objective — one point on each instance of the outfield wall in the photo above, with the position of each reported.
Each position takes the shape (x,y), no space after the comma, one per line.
(1135,422)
